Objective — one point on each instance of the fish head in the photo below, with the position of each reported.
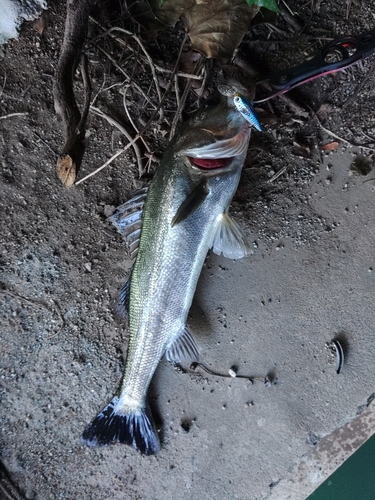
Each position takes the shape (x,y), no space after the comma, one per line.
(216,138)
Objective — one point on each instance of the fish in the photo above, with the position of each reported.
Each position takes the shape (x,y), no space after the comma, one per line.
(169,228)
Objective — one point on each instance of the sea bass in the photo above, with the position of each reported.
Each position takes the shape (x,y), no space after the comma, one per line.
(169,228)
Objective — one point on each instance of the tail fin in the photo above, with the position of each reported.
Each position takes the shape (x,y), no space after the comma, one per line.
(135,429)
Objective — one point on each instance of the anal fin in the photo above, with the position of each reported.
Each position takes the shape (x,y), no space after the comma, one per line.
(184,348)
(229,239)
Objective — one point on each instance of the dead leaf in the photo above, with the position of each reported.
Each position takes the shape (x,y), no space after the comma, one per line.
(188,61)
(153,16)
(41,23)
(66,170)
(331,146)
(217,28)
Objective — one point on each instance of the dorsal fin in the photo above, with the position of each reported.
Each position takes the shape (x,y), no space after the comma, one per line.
(229,239)
(128,220)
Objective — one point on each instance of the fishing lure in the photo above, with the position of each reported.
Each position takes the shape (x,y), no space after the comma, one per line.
(242,104)
(247,111)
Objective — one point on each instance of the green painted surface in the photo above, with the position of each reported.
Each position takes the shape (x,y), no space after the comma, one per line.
(354,480)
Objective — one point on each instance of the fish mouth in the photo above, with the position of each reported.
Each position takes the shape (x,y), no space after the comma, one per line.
(210,163)
(219,154)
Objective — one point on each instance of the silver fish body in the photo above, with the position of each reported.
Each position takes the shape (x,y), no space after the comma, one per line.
(184,215)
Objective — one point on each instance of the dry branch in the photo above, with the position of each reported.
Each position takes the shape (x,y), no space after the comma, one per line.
(66,107)
(123,130)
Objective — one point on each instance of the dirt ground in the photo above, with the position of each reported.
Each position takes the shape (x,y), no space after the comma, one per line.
(310,279)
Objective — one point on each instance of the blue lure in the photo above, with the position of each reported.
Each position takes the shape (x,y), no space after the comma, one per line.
(247,111)
(242,105)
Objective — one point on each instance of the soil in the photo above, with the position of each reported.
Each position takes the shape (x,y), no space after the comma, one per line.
(310,278)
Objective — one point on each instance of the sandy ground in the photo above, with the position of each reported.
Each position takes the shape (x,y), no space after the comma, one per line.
(311,278)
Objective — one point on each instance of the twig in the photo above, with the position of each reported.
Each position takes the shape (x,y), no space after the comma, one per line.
(293,105)
(170,83)
(297,40)
(177,91)
(148,57)
(122,129)
(348,7)
(231,374)
(201,90)
(108,162)
(129,47)
(183,99)
(180,108)
(179,73)
(289,9)
(4,117)
(102,89)
(372,139)
(150,62)
(126,87)
(275,28)
(128,78)
(277,174)
(332,134)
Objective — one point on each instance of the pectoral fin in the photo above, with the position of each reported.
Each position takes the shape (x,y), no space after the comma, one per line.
(184,348)
(229,239)
(192,202)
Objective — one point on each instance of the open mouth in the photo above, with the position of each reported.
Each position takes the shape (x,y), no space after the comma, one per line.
(210,163)
(219,154)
